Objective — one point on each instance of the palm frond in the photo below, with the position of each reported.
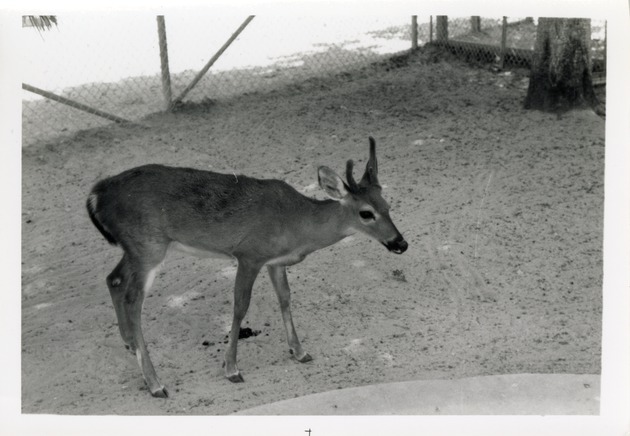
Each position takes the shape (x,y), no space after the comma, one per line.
(40,22)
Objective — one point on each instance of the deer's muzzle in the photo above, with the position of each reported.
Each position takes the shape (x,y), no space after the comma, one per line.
(398,245)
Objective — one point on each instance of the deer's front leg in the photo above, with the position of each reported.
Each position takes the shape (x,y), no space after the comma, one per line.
(278,275)
(245,277)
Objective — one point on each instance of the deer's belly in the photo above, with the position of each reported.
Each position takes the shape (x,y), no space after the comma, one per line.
(198,252)
(288,259)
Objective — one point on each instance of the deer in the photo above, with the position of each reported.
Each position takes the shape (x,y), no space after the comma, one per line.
(153,209)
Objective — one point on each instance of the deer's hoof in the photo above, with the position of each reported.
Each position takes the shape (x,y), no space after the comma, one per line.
(303,359)
(160,393)
(306,358)
(236,378)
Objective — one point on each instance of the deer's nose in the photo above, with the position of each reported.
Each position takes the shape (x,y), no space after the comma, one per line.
(398,245)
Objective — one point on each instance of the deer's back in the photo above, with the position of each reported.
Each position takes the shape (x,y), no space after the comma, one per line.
(185,204)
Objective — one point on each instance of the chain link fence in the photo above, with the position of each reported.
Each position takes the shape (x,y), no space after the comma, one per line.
(113,63)
(508,41)
(95,69)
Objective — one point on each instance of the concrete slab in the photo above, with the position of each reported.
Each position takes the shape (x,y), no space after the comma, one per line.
(515,394)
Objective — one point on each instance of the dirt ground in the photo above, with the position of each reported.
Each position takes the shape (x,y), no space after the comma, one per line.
(502,208)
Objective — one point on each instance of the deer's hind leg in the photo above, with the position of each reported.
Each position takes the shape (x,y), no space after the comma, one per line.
(128,283)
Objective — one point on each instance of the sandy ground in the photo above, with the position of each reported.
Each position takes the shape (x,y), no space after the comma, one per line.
(502,209)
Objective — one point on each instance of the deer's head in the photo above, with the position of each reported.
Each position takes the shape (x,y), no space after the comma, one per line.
(368,210)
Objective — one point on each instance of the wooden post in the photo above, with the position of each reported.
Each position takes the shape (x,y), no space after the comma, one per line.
(214,58)
(503,41)
(441,28)
(430,28)
(414,32)
(73,104)
(166,74)
(475,24)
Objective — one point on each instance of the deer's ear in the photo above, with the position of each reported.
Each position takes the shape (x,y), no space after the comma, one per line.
(331,183)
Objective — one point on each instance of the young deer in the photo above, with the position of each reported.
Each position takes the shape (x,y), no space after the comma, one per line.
(153,208)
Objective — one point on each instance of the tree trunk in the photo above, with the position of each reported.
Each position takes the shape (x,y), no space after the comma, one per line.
(560,77)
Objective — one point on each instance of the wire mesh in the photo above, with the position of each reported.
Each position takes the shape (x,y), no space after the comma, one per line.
(481,39)
(113,62)
(103,61)
(292,52)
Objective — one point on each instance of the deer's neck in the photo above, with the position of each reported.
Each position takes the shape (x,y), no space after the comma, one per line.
(328,222)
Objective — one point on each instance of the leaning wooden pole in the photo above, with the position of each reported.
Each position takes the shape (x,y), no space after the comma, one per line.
(166,74)
(73,104)
(211,62)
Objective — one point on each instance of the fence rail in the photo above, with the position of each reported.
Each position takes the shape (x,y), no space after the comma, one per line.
(239,65)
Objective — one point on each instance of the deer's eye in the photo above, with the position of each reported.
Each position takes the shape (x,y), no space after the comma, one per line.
(367,215)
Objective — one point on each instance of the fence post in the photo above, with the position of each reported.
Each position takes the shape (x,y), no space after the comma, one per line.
(430,28)
(475,23)
(441,28)
(503,41)
(166,74)
(414,32)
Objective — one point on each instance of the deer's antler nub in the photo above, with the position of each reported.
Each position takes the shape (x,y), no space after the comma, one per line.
(370,177)
(351,183)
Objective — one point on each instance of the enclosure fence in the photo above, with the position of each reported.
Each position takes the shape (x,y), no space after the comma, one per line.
(93,70)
